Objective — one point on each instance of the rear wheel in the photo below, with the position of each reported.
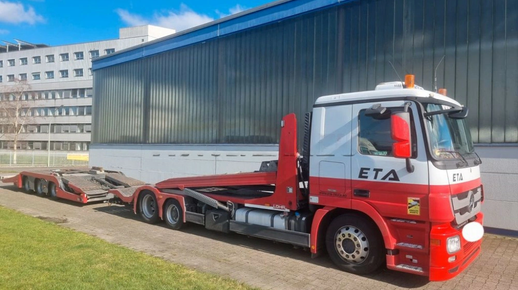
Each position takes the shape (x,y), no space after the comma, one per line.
(355,244)
(52,190)
(148,207)
(39,186)
(27,184)
(173,214)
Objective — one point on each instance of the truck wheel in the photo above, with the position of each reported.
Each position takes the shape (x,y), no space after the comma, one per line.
(355,244)
(148,207)
(52,190)
(173,214)
(39,187)
(26,184)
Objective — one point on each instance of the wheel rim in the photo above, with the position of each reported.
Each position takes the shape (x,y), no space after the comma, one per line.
(39,187)
(148,206)
(52,189)
(26,184)
(173,214)
(351,244)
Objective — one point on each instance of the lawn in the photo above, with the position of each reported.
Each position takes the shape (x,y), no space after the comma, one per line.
(36,254)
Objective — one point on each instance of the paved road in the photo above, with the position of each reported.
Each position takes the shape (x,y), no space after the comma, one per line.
(253,261)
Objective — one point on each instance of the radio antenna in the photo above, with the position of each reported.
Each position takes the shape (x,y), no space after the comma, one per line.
(395,71)
(435,73)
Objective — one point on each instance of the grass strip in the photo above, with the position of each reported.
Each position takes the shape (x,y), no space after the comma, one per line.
(36,254)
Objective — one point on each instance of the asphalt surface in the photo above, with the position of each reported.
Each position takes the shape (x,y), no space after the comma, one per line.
(256,262)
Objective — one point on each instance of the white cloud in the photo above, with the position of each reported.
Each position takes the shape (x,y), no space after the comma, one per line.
(4,31)
(236,9)
(15,13)
(233,10)
(183,19)
(131,19)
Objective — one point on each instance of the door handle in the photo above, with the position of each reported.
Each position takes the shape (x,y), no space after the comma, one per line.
(362,193)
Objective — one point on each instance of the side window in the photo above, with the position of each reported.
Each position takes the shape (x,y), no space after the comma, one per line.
(375,136)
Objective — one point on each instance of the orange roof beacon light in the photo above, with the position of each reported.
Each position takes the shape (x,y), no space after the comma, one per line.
(409,81)
(443,91)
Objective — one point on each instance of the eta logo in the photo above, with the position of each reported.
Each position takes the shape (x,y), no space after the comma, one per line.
(374,173)
(457,177)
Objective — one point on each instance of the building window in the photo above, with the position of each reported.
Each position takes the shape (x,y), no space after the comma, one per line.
(94,53)
(109,50)
(36,59)
(0,79)
(49,74)
(63,56)
(78,72)
(36,76)
(63,73)
(23,61)
(23,77)
(10,78)
(79,55)
(1,63)
(50,58)
(11,62)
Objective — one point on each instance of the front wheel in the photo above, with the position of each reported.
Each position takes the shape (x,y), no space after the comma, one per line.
(148,207)
(173,214)
(355,244)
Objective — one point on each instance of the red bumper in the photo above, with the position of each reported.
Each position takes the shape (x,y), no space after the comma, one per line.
(444,266)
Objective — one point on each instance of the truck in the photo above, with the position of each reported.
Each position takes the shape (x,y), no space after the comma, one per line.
(386,177)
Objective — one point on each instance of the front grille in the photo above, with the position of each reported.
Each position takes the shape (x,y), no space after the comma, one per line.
(466,205)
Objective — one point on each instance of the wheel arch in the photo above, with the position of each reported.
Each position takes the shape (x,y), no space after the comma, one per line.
(324,216)
(136,198)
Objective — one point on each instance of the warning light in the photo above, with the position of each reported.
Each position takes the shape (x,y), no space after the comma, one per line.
(409,81)
(443,91)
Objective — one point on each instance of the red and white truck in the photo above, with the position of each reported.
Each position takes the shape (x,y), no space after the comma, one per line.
(387,176)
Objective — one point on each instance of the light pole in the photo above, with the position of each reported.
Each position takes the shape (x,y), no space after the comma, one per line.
(48,146)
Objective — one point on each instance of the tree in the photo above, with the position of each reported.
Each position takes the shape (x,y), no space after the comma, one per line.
(15,111)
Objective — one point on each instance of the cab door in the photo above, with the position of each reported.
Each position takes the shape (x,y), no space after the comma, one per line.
(377,177)
(330,160)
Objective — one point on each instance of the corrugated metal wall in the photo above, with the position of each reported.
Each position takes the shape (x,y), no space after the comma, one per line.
(237,88)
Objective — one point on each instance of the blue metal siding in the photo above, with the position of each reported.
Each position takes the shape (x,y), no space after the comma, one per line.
(235,88)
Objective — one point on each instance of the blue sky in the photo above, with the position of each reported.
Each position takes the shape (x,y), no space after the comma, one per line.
(57,22)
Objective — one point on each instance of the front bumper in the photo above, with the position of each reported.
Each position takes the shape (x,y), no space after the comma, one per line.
(444,266)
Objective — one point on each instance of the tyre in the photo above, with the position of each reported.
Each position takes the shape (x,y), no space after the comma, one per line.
(52,190)
(148,207)
(173,214)
(26,184)
(38,184)
(355,244)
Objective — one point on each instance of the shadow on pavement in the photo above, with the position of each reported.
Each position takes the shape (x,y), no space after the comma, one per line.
(398,279)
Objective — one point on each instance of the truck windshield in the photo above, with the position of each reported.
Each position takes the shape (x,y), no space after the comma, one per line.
(448,137)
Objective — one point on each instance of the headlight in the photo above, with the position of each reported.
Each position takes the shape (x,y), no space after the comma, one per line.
(453,244)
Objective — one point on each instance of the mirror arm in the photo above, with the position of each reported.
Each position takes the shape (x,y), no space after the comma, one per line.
(409,167)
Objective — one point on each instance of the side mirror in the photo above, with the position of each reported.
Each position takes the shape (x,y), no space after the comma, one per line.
(462,114)
(400,127)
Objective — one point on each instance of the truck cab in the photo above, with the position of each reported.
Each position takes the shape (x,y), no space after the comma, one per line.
(395,173)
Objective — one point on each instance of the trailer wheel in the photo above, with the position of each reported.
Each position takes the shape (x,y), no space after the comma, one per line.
(52,190)
(26,184)
(148,207)
(355,244)
(173,214)
(38,184)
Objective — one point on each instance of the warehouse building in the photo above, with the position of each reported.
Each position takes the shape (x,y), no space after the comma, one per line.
(58,113)
(209,100)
